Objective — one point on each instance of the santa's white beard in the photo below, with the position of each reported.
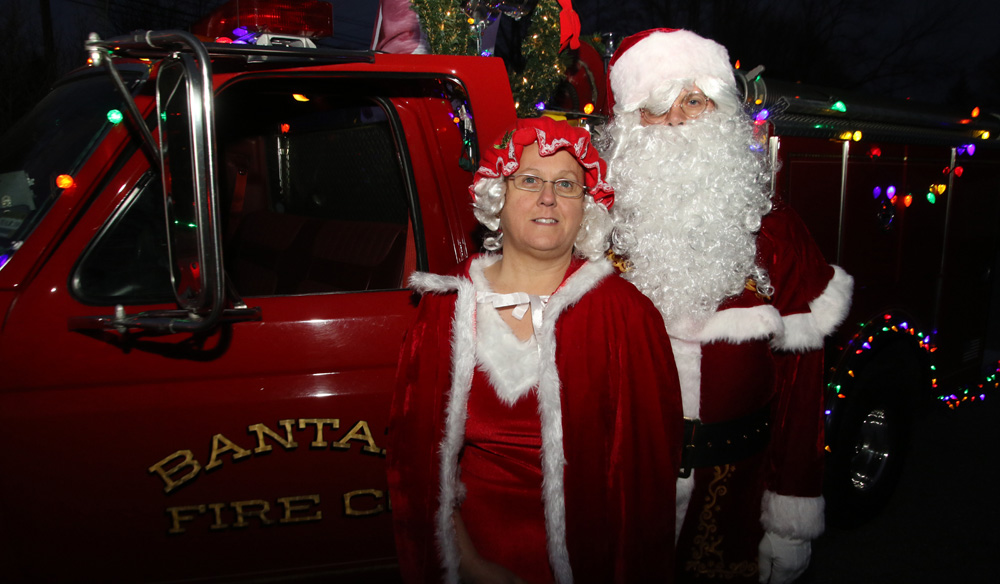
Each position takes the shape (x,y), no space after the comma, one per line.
(688,204)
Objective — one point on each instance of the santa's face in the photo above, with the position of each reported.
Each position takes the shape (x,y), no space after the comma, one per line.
(691,104)
(542,224)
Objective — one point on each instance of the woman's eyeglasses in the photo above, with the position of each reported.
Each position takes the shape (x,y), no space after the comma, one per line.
(561,186)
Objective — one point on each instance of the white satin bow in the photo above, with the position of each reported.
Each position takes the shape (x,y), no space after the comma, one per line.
(521,301)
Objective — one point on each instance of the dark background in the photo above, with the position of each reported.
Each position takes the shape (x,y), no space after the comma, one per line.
(937,51)
(942,524)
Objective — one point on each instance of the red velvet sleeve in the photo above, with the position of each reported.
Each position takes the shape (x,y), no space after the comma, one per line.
(799,275)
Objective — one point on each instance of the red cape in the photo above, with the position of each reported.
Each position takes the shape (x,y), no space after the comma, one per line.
(618,393)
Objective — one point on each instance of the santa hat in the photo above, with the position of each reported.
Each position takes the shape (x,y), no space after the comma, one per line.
(652,67)
(503,157)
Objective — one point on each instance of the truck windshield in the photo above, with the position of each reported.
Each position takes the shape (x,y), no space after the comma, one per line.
(48,146)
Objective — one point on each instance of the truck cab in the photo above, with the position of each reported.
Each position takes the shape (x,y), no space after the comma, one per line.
(204,250)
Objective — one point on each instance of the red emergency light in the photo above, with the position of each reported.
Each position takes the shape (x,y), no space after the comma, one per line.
(238,18)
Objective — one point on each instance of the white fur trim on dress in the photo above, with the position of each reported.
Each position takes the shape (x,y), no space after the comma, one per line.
(550,410)
(511,364)
(796,517)
(549,407)
(806,331)
(463,362)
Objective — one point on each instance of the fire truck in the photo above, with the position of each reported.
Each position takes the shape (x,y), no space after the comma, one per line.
(204,249)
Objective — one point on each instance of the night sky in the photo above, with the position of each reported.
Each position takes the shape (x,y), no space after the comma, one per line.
(934,51)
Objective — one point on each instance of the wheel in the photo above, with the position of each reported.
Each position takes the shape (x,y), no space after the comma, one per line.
(869,447)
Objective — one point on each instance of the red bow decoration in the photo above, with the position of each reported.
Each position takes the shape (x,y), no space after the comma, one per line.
(569,26)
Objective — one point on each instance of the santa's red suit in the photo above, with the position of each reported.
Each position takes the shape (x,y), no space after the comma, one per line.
(609,428)
(755,370)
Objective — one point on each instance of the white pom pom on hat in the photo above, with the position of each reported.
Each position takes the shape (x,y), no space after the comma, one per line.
(656,62)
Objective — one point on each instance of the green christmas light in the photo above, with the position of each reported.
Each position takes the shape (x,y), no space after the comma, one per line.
(839,107)
(115,116)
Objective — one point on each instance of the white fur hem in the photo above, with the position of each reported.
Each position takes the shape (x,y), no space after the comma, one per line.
(805,332)
(796,517)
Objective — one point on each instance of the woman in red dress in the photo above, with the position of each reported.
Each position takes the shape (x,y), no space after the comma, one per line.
(536,428)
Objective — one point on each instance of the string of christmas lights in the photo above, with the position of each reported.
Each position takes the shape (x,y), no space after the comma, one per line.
(873,334)
(977,394)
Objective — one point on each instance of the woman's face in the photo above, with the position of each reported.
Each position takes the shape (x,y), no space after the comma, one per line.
(542,224)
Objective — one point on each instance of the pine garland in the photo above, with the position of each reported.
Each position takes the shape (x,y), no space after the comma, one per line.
(450,32)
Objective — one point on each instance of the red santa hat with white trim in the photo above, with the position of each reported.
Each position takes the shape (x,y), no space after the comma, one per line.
(652,67)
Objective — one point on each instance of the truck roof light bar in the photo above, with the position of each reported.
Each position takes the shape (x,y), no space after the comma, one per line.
(246,20)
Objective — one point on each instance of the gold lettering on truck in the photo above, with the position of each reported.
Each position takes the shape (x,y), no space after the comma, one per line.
(349,509)
(293,505)
(188,462)
(361,433)
(318,442)
(222,445)
(287,442)
(253,508)
(181,467)
(242,514)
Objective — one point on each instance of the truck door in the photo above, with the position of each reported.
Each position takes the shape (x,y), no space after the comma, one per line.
(253,447)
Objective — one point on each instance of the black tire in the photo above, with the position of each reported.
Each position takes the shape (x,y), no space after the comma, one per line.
(869,449)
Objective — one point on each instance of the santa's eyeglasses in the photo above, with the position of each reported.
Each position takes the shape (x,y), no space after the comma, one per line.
(692,105)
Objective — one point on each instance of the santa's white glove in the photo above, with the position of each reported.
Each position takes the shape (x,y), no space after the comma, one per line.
(782,559)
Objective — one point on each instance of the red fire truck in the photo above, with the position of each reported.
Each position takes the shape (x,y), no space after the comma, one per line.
(203,255)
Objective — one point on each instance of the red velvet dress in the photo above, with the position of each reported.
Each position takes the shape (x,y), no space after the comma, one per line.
(502,474)
(608,408)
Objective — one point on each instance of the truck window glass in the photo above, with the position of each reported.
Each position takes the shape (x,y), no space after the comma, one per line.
(129,263)
(312,181)
(313,201)
(54,139)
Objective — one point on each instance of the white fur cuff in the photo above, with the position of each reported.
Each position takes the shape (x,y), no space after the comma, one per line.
(805,332)
(797,517)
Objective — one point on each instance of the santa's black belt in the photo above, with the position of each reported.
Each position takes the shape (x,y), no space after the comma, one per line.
(721,443)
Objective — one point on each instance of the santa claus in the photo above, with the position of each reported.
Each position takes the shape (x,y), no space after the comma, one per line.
(747,299)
